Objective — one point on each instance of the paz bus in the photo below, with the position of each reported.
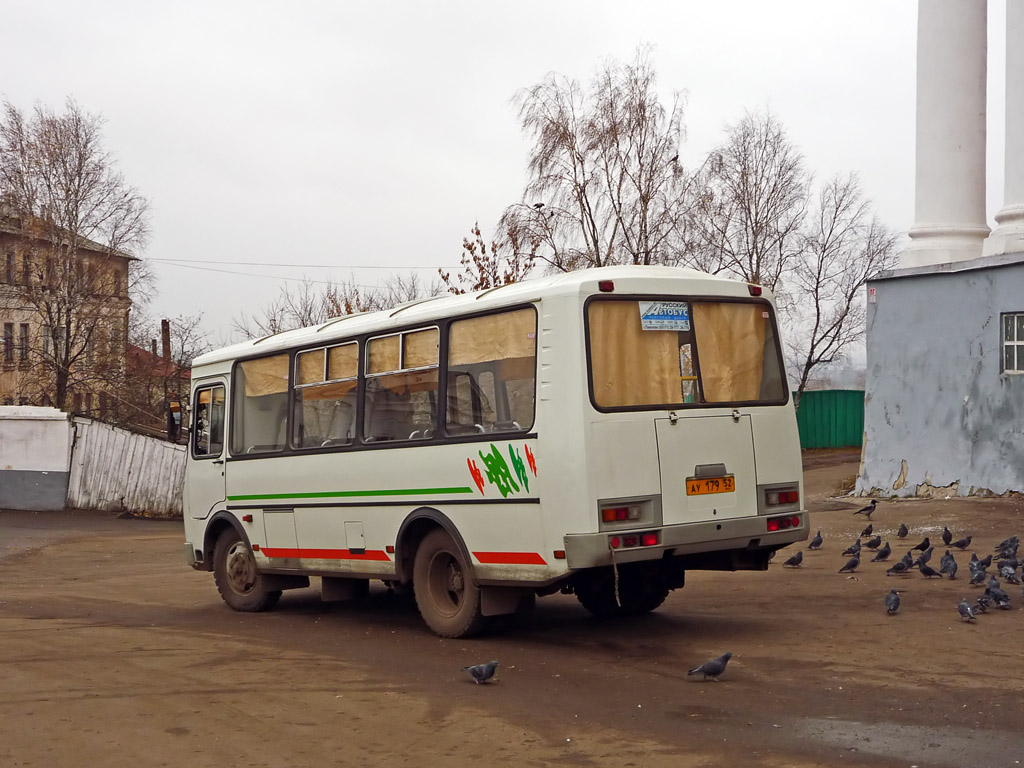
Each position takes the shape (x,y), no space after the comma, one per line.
(595,433)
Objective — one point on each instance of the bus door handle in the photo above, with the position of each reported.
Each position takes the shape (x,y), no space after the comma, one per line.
(735,414)
(218,461)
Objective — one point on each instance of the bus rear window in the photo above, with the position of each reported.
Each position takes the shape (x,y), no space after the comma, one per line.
(673,353)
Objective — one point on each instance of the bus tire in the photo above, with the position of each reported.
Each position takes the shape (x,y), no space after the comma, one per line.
(597,595)
(639,592)
(237,577)
(447,597)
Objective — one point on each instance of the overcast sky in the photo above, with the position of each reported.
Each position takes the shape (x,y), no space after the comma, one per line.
(354,134)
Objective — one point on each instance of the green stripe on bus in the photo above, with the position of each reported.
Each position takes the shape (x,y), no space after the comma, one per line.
(347,494)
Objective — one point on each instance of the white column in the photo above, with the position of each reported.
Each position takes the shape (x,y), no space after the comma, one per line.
(949,211)
(1008,236)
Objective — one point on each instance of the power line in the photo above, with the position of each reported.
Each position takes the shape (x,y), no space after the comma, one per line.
(178,262)
(268,277)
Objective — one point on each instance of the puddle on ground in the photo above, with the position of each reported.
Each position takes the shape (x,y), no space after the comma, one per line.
(918,745)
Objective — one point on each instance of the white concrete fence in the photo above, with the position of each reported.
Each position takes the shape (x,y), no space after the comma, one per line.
(49,461)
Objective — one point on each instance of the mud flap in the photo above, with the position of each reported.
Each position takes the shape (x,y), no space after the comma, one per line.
(500,601)
(273,582)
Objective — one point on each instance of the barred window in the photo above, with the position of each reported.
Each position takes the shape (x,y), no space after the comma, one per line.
(1013,342)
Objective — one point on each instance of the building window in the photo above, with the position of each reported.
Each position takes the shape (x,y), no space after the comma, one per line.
(23,343)
(77,402)
(8,343)
(9,269)
(26,270)
(1013,342)
(88,403)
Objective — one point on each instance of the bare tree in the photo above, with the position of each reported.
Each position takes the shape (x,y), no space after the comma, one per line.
(77,226)
(605,182)
(753,201)
(843,245)
(488,266)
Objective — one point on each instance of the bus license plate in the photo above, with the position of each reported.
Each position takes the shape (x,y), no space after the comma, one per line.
(695,486)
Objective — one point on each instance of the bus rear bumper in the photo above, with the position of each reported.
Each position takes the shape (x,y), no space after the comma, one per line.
(749,534)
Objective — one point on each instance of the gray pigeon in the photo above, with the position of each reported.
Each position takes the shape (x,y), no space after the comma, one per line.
(795,560)
(963,543)
(816,541)
(925,556)
(868,510)
(851,565)
(983,602)
(892,602)
(882,554)
(908,559)
(867,531)
(927,571)
(948,565)
(924,545)
(875,543)
(947,535)
(984,562)
(993,583)
(853,549)
(978,576)
(965,610)
(481,673)
(712,668)
(1009,575)
(899,568)
(902,532)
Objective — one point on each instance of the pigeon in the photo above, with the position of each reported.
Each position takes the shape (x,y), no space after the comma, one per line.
(1011,543)
(875,543)
(882,554)
(867,531)
(983,602)
(851,565)
(993,583)
(908,559)
(795,560)
(481,673)
(947,535)
(923,545)
(927,571)
(868,510)
(892,602)
(984,562)
(899,569)
(962,543)
(1009,575)
(902,532)
(999,596)
(853,549)
(925,556)
(948,565)
(712,668)
(977,576)
(1012,562)
(816,541)
(965,610)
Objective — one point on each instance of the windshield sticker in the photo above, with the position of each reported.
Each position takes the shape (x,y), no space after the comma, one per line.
(664,315)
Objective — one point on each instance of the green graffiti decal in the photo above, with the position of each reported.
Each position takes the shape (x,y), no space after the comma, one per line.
(520,467)
(498,472)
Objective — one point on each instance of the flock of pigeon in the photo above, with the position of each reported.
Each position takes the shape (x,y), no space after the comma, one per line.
(1005,553)
(711,668)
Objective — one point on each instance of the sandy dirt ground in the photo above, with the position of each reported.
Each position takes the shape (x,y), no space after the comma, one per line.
(114,653)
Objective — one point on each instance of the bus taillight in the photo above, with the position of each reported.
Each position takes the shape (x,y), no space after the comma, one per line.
(782,523)
(618,514)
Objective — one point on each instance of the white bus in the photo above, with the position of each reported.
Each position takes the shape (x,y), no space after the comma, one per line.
(596,433)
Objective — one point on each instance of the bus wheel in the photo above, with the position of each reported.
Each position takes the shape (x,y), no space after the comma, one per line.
(448,600)
(597,595)
(641,596)
(238,580)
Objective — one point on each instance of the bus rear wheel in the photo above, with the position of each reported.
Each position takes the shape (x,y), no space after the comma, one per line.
(640,591)
(446,596)
(237,577)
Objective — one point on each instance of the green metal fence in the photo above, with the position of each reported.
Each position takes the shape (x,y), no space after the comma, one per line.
(831,418)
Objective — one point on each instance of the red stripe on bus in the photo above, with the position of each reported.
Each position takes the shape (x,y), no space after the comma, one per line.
(509,558)
(326,554)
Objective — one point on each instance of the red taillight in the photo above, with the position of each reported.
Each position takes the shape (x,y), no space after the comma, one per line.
(796,521)
(755,290)
(649,539)
(773,524)
(789,497)
(629,541)
(614,542)
(605,286)
(618,514)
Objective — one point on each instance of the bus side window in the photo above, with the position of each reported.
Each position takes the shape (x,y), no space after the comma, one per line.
(492,361)
(259,405)
(208,423)
(401,386)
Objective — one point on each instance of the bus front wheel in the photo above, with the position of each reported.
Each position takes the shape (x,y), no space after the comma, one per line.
(446,596)
(237,577)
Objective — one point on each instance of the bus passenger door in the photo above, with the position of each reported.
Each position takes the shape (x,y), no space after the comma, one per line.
(204,478)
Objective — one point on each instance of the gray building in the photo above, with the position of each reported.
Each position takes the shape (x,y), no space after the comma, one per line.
(944,410)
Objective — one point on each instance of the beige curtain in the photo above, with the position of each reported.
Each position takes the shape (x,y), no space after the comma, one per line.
(631,366)
(420,348)
(343,362)
(506,336)
(309,367)
(383,354)
(266,376)
(730,343)
(336,390)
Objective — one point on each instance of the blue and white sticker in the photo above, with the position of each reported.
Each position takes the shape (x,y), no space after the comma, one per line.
(664,315)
